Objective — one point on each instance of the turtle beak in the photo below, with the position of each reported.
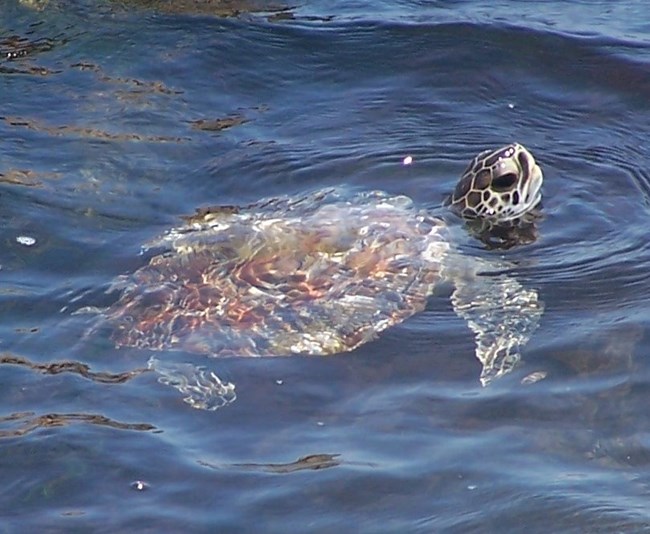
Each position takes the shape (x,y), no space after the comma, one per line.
(534,193)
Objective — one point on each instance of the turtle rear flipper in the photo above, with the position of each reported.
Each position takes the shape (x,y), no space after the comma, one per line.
(203,389)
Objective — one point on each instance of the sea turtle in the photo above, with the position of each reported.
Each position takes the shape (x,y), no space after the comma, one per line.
(324,273)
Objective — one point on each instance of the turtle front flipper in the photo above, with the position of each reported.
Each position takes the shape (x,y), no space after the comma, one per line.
(202,388)
(502,314)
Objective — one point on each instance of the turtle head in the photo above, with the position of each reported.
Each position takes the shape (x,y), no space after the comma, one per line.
(499,185)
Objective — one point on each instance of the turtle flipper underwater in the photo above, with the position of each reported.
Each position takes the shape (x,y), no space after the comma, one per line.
(324,273)
(502,315)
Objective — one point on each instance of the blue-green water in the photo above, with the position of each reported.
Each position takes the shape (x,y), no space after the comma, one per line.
(102,148)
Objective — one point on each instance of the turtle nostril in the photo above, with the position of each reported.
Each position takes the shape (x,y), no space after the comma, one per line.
(515,197)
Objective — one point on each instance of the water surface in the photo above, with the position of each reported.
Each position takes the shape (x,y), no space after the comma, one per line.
(118,119)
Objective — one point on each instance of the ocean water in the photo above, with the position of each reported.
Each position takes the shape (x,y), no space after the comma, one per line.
(118,118)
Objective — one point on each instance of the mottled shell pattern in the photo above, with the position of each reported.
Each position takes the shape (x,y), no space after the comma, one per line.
(320,274)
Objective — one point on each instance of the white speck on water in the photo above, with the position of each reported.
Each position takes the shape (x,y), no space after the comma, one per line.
(534,377)
(511,105)
(139,485)
(279,382)
(26,240)
(320,423)
(407,160)
(472,487)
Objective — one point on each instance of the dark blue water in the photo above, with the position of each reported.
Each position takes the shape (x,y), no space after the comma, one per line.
(116,120)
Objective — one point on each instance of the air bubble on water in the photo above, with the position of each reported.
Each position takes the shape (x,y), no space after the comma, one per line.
(139,485)
(407,160)
(26,240)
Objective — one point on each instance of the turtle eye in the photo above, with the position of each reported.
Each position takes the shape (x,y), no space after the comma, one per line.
(504,182)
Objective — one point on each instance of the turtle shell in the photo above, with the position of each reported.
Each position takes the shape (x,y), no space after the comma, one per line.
(320,274)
